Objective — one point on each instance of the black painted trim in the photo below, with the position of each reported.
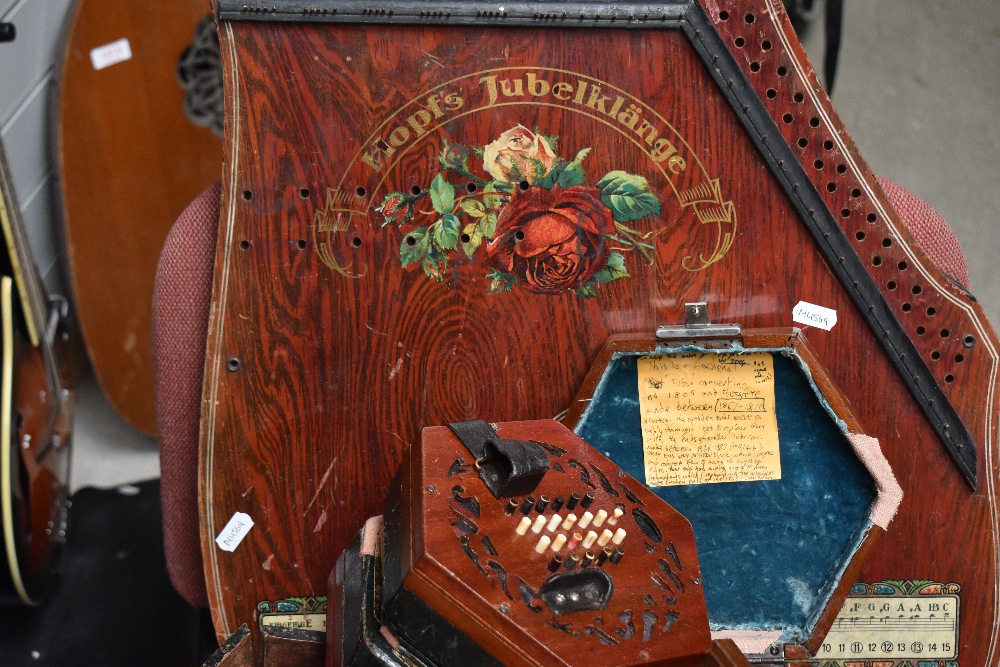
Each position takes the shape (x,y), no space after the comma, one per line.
(833,243)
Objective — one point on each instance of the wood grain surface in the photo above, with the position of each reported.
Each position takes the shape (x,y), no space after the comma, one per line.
(326,355)
(130,162)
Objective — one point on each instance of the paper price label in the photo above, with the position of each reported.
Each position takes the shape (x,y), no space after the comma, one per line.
(110,54)
(812,315)
(234,532)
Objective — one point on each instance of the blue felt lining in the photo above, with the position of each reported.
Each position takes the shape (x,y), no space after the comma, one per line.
(770,552)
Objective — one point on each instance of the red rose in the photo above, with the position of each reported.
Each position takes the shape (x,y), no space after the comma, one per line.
(553,240)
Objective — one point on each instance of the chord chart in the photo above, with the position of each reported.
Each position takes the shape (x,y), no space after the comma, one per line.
(895,627)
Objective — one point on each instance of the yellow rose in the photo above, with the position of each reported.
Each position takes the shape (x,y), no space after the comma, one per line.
(518,154)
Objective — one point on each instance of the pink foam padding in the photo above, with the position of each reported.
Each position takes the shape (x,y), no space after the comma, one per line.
(930,230)
(181,297)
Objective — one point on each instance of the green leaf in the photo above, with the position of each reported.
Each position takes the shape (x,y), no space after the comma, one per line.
(475,235)
(446,231)
(435,266)
(500,281)
(491,200)
(572,174)
(414,246)
(488,226)
(628,196)
(580,155)
(587,291)
(442,194)
(613,270)
(474,208)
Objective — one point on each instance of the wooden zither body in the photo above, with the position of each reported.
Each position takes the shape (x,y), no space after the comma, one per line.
(436,213)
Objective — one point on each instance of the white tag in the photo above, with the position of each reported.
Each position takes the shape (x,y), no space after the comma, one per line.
(110,54)
(814,316)
(234,532)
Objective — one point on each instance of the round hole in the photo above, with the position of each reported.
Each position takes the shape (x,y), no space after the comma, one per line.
(855,193)
(798,97)
(871,217)
(356,242)
(859,236)
(471,187)
(949,378)
(723,16)
(803,142)
(828,145)
(247,195)
(920,331)
(891,285)
(876,260)
(415,190)
(959,358)
(845,212)
(304,193)
(906,307)
(524,185)
(748,18)
(519,235)
(755,66)
(902,266)
(244,244)
(818,164)
(360,191)
(916,289)
(932,311)
(935,355)
(765,45)
(301,244)
(411,241)
(787,118)
(465,238)
(944,333)
(782,71)
(886,242)
(969,341)
(831,187)
(841,168)
(739,42)
(233,364)
(771,93)
(814,122)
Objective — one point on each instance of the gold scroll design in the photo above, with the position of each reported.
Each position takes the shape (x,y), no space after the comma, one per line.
(705,198)
(710,209)
(336,217)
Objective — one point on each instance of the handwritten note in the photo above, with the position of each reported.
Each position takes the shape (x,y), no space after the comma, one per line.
(708,418)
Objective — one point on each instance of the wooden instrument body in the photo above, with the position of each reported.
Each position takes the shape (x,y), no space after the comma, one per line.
(130,162)
(326,355)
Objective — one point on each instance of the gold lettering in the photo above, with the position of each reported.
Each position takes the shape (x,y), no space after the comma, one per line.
(491,88)
(562,91)
(453,101)
(516,91)
(596,102)
(676,164)
(630,117)
(581,88)
(399,136)
(616,106)
(662,149)
(432,104)
(651,135)
(537,87)
(419,121)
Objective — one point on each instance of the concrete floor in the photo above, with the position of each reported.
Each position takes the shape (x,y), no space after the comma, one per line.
(918,88)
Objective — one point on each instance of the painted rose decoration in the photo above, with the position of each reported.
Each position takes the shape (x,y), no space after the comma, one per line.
(545,230)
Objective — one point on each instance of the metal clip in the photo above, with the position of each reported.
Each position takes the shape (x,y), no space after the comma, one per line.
(697,325)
